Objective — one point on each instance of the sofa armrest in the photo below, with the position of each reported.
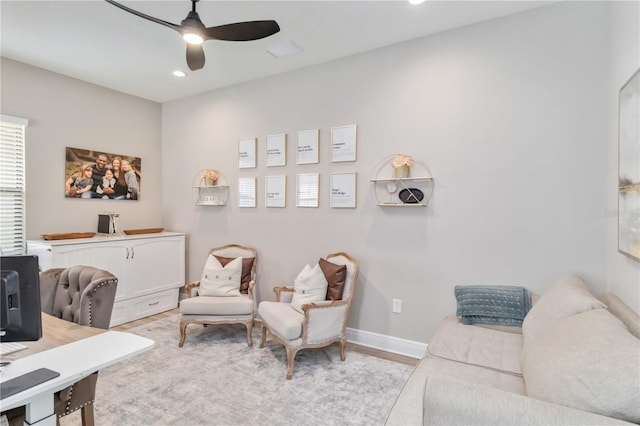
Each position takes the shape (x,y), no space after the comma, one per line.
(449,401)
(283,294)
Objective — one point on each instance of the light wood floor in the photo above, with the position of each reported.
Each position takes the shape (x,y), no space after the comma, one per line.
(350,346)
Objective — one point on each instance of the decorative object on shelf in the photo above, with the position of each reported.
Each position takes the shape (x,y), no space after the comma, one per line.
(143,231)
(107,224)
(343,190)
(247,192)
(411,195)
(210,177)
(307,152)
(276,150)
(401,165)
(343,143)
(629,168)
(247,153)
(394,186)
(210,188)
(275,191)
(68,236)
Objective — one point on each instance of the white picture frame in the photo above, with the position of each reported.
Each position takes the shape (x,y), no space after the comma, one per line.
(343,190)
(629,167)
(307,147)
(343,143)
(275,193)
(276,150)
(247,153)
(246,192)
(307,189)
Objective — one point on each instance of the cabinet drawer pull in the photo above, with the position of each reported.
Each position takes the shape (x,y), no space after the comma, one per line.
(154,303)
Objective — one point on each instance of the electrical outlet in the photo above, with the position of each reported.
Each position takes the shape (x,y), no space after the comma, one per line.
(397,306)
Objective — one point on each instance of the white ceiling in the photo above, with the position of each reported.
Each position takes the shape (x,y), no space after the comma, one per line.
(94,41)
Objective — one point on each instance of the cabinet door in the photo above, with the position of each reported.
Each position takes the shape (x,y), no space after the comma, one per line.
(157,264)
(111,257)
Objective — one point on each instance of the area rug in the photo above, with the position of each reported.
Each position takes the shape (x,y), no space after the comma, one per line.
(216,379)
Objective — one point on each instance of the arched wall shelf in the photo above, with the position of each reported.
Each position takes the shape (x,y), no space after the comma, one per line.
(210,194)
(414,190)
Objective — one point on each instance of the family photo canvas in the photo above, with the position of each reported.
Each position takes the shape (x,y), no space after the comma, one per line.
(91,174)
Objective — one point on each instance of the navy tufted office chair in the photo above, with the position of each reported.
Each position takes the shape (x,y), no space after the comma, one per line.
(83,295)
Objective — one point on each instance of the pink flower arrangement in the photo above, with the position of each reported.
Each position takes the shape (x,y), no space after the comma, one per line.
(210,175)
(402,160)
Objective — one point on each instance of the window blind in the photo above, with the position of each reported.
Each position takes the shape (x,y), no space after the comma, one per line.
(12,184)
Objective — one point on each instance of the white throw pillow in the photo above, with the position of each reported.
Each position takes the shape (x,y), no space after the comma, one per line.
(221,281)
(309,286)
(568,296)
(587,361)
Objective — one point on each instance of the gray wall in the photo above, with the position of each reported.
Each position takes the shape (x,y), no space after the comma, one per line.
(65,112)
(510,115)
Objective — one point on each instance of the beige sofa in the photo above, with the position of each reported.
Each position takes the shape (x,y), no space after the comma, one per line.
(575,360)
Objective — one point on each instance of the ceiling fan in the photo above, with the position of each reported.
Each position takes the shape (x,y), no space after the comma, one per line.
(195,33)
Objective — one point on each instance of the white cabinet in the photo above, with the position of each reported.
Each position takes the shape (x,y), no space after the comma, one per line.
(150,268)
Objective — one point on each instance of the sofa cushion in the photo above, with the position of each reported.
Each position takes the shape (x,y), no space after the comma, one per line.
(247,267)
(478,346)
(309,286)
(282,319)
(336,276)
(569,295)
(220,281)
(211,305)
(587,361)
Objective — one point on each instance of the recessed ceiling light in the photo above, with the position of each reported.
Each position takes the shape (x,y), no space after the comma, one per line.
(284,49)
(416,1)
(178,73)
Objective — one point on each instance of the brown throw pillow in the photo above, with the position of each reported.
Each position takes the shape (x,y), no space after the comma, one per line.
(336,276)
(247,264)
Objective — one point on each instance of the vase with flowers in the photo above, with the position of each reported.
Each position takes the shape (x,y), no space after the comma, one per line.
(210,177)
(401,165)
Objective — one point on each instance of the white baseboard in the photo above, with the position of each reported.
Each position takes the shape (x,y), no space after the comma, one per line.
(386,343)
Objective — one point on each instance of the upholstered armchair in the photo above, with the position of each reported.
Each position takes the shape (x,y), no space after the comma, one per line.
(223,295)
(314,324)
(83,295)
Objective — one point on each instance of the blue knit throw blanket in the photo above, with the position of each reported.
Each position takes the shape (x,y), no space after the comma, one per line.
(497,304)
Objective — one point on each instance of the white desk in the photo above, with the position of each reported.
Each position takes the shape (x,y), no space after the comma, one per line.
(73,361)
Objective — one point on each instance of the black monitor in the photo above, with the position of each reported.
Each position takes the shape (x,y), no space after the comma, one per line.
(20,299)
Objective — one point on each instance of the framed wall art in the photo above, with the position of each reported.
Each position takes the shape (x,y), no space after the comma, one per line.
(343,143)
(276,150)
(629,168)
(247,153)
(307,189)
(247,192)
(307,147)
(101,175)
(343,190)
(275,191)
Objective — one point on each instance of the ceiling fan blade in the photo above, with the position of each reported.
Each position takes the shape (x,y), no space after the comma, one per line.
(147,17)
(243,31)
(195,56)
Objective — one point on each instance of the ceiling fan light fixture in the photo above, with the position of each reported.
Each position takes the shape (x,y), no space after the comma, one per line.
(192,38)
(179,73)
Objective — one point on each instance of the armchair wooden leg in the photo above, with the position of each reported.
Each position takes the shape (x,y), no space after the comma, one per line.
(183,332)
(249,331)
(263,335)
(87,415)
(343,347)
(291,355)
